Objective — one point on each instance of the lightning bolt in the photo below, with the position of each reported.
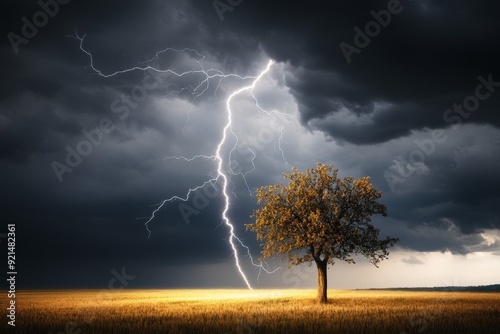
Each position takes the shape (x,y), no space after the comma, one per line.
(217,157)
(220,171)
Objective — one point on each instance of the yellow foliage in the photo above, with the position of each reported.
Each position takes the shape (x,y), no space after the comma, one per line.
(319,216)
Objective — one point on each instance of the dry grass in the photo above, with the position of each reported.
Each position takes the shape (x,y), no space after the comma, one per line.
(258,311)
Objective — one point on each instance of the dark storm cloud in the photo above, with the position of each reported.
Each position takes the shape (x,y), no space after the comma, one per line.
(459,182)
(48,99)
(428,58)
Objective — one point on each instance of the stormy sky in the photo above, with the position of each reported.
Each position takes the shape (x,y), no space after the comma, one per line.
(405,92)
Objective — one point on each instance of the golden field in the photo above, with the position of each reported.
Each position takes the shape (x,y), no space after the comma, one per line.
(255,311)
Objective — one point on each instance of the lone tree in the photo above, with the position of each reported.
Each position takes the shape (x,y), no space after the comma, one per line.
(320,217)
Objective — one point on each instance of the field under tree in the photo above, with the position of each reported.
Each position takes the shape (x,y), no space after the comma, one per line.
(252,311)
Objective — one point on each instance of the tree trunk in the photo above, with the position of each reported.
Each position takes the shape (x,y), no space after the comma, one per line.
(322,282)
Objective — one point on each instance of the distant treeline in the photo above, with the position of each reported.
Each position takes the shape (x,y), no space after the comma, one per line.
(480,288)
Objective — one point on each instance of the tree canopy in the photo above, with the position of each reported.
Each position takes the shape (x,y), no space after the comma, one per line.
(320,217)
